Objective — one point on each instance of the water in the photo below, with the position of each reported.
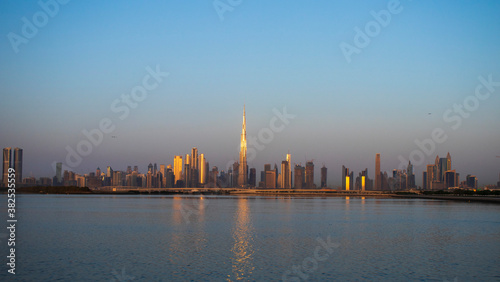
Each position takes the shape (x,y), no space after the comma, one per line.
(225,238)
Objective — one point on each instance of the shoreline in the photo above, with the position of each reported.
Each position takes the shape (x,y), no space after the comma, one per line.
(62,190)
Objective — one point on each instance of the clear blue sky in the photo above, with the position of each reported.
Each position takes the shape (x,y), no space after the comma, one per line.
(265,54)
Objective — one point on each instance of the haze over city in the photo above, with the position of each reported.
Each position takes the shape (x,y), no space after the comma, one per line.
(407,81)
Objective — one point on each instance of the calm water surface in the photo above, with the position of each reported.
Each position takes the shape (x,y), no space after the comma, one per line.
(208,238)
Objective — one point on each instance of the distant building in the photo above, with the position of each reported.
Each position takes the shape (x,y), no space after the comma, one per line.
(7,163)
(451,179)
(285,176)
(430,176)
(363,183)
(178,168)
(347,179)
(299,177)
(243,169)
(378,182)
(271,179)
(252,177)
(471,181)
(18,164)
(202,170)
(310,175)
(323,177)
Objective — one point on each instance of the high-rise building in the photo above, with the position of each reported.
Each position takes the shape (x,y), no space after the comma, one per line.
(7,163)
(471,181)
(410,177)
(252,177)
(310,175)
(18,164)
(323,177)
(378,183)
(271,179)
(243,169)
(202,169)
(289,173)
(109,172)
(58,178)
(187,175)
(194,158)
(299,177)
(347,179)
(424,180)
(285,176)
(178,168)
(450,179)
(430,176)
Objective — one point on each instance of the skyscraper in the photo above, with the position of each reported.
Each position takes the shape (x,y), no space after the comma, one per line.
(177,168)
(242,169)
(252,177)
(299,177)
(431,170)
(195,174)
(310,175)
(284,175)
(347,179)
(194,158)
(7,163)
(323,177)
(18,164)
(378,183)
(289,175)
(202,167)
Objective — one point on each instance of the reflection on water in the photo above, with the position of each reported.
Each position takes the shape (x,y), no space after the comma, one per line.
(215,238)
(243,239)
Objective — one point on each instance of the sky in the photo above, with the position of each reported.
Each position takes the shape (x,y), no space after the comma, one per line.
(358,77)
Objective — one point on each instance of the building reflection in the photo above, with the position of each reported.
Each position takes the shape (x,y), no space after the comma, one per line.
(243,239)
(176,210)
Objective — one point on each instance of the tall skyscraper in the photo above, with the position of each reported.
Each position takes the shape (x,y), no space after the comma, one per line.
(194,158)
(18,164)
(177,168)
(289,175)
(252,178)
(378,183)
(323,177)
(7,163)
(284,175)
(448,161)
(202,169)
(187,171)
(310,175)
(299,177)
(431,170)
(195,173)
(243,170)
(347,179)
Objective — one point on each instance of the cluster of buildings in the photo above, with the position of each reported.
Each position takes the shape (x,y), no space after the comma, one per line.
(192,171)
(440,176)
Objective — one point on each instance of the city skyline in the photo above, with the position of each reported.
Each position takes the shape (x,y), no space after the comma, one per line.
(195,171)
(430,66)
